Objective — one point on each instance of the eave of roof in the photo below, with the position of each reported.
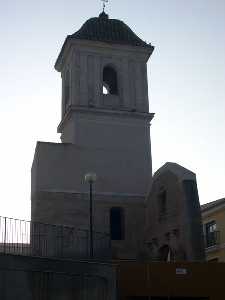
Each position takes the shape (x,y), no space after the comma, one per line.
(108,31)
(213,204)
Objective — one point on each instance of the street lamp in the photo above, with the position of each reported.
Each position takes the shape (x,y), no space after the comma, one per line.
(91,178)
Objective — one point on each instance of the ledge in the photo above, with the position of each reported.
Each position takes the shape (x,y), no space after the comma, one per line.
(103,111)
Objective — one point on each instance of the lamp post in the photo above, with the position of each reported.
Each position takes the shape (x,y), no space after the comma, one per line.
(91,178)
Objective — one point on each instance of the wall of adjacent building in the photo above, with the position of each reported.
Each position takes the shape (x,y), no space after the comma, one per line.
(218,215)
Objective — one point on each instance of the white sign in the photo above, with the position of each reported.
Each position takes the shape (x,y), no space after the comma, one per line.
(181,271)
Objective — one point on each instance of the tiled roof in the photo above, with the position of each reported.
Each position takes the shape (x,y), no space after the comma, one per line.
(213,204)
(108,30)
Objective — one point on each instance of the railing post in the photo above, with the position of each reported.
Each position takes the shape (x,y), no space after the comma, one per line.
(91,222)
(61,241)
(5,225)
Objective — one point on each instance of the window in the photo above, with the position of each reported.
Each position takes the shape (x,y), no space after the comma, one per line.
(67,89)
(117,223)
(167,236)
(211,234)
(109,81)
(162,204)
(176,233)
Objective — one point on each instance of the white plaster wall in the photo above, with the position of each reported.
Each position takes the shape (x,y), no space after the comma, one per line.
(106,135)
(61,167)
(87,60)
(72,209)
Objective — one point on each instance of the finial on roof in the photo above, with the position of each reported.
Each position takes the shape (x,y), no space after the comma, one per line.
(104,2)
(103,15)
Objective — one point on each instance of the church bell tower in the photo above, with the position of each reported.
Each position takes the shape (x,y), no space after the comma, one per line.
(105,129)
(104,89)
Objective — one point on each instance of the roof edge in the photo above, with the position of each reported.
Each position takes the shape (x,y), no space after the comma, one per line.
(213,204)
(176,169)
(69,39)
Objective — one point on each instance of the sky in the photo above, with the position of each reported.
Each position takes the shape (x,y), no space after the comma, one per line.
(186,85)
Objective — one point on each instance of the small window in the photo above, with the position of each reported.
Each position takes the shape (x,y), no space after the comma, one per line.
(117,223)
(211,234)
(155,241)
(176,233)
(168,236)
(162,203)
(67,90)
(110,81)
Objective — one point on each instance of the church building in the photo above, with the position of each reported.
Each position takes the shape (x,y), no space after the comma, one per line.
(103,227)
(105,130)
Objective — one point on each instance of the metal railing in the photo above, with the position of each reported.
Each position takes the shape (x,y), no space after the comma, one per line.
(29,238)
(212,239)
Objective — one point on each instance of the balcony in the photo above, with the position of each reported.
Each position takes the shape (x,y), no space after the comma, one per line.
(19,237)
(212,239)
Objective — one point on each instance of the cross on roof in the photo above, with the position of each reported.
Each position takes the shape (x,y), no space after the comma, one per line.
(104,2)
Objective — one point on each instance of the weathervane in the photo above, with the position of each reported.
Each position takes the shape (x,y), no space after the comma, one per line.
(104,2)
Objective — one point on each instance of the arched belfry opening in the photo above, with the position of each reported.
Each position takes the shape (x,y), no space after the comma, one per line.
(110,81)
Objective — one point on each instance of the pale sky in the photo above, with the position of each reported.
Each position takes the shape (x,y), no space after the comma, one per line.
(186,85)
